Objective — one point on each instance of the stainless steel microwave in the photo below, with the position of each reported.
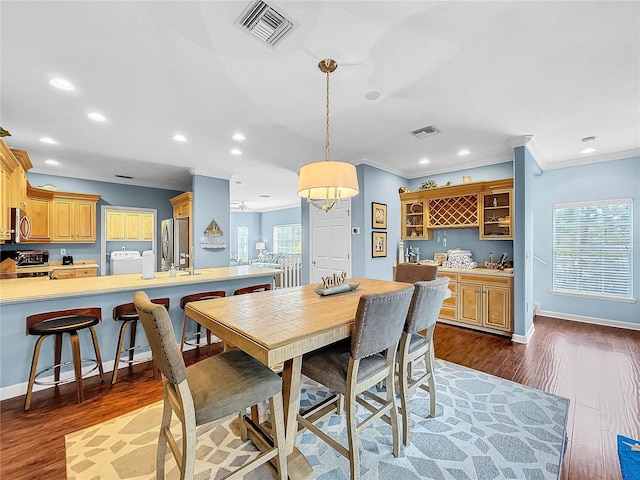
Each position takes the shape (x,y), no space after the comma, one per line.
(20,225)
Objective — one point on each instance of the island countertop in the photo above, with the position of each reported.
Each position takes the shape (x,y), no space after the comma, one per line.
(41,288)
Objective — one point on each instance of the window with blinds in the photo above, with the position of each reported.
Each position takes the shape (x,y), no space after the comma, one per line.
(287,238)
(592,252)
(243,244)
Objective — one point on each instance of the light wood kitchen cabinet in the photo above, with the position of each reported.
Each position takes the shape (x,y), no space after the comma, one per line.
(459,206)
(482,301)
(129,225)
(5,174)
(182,205)
(38,211)
(74,217)
(496,210)
(485,301)
(13,178)
(19,178)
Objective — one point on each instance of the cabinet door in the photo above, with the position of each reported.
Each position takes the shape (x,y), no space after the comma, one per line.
(132,223)
(114,225)
(38,212)
(497,303)
(146,226)
(5,223)
(470,306)
(85,221)
(496,215)
(414,225)
(63,220)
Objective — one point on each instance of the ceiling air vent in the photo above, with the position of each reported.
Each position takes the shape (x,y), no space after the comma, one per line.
(425,131)
(265,23)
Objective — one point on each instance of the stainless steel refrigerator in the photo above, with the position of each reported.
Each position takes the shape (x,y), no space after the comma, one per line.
(174,245)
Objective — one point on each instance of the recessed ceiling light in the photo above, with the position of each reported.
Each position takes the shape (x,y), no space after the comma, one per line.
(51,161)
(238,137)
(372,95)
(588,150)
(463,153)
(423,161)
(178,137)
(97,117)
(62,84)
(48,140)
(588,139)
(236,151)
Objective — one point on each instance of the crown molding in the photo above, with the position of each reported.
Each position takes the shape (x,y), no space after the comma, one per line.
(609,157)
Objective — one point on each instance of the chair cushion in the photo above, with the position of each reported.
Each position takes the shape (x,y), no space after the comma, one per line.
(128,316)
(228,383)
(63,325)
(329,365)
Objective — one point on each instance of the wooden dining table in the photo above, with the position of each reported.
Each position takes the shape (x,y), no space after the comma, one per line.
(279,327)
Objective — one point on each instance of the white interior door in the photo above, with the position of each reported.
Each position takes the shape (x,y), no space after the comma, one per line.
(330,248)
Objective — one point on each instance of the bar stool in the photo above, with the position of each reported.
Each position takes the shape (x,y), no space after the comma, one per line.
(253,288)
(57,323)
(126,313)
(196,297)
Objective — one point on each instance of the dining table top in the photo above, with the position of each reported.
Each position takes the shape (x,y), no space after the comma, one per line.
(277,325)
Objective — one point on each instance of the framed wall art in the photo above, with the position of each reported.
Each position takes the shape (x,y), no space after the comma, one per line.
(379,244)
(378,215)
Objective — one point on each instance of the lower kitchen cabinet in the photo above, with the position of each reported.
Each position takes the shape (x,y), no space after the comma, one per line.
(481,301)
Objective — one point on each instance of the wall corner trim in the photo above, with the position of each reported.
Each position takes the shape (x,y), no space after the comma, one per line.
(528,142)
(516,338)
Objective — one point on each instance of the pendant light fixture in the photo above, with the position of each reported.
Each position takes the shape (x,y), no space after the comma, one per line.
(325,183)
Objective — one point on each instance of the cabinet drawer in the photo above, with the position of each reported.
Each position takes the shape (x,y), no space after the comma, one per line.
(485,279)
(449,313)
(452,301)
(86,272)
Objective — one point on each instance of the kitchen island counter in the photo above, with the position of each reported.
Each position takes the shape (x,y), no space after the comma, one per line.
(41,288)
(27,296)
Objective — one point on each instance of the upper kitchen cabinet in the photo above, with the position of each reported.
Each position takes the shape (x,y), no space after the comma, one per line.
(74,217)
(128,225)
(486,206)
(13,183)
(38,211)
(182,205)
(496,215)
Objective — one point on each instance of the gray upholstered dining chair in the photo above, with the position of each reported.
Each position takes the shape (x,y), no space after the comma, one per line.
(417,342)
(209,390)
(353,366)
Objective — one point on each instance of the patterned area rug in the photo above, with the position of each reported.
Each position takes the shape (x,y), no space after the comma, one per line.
(485,427)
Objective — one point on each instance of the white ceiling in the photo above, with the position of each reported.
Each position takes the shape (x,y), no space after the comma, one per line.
(484,73)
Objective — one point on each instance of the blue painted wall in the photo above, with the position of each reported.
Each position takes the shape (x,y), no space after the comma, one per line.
(601,181)
(210,202)
(111,194)
(478,174)
(286,216)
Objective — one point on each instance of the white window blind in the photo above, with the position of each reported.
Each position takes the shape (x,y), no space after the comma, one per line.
(287,238)
(592,252)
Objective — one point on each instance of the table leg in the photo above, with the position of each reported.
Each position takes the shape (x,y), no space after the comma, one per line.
(291,397)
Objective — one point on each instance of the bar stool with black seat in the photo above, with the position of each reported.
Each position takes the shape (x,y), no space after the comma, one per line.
(207,391)
(353,366)
(196,297)
(417,343)
(58,323)
(253,289)
(126,313)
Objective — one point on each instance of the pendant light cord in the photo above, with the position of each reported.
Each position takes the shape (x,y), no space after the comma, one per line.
(326,145)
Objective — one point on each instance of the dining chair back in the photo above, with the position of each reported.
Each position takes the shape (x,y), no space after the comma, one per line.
(206,391)
(352,367)
(413,272)
(417,343)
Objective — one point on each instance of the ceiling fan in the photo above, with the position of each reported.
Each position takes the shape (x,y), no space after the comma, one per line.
(239,205)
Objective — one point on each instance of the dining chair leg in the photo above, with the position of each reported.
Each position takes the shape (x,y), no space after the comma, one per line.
(77,364)
(32,375)
(352,435)
(404,402)
(432,384)
(391,398)
(242,427)
(161,451)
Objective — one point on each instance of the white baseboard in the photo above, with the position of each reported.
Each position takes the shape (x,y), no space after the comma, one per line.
(597,321)
(516,338)
(11,391)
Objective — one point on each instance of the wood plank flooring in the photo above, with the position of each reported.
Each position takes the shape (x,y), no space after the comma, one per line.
(597,368)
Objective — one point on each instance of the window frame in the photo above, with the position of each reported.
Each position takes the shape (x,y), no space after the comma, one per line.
(240,238)
(556,244)
(275,239)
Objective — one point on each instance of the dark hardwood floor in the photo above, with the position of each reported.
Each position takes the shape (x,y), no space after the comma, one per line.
(597,368)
